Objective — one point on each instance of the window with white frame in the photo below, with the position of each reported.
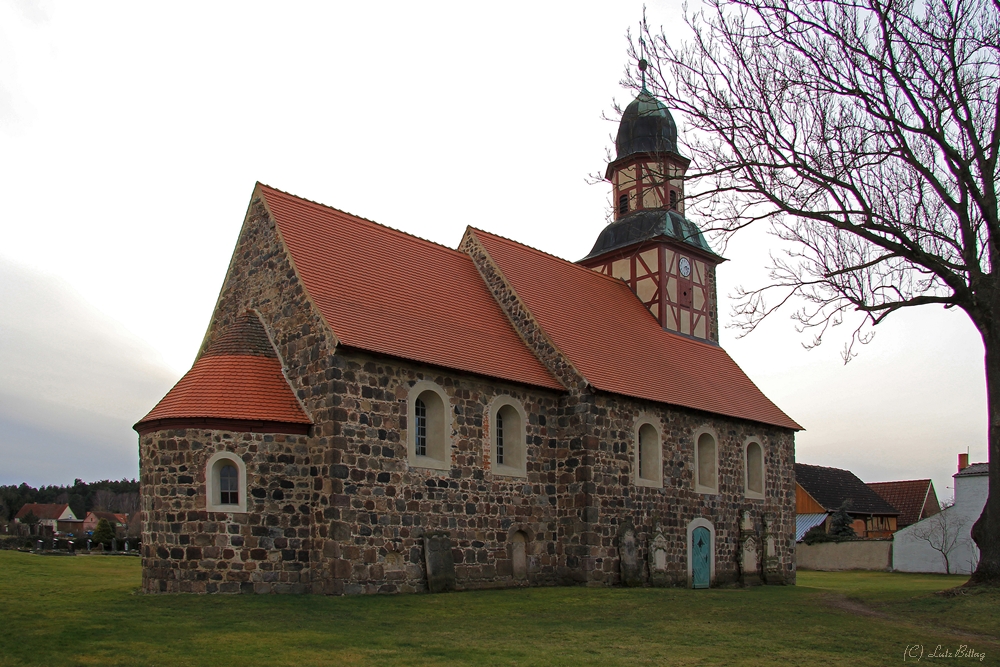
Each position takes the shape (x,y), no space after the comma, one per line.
(507,437)
(225,483)
(429,432)
(648,455)
(754,467)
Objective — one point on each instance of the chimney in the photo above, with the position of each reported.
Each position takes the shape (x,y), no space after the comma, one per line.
(963,462)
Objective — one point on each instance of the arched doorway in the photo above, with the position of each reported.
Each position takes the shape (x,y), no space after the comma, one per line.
(701,553)
(701,557)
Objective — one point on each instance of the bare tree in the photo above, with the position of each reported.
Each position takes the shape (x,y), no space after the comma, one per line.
(944,532)
(867,133)
(125,503)
(103,499)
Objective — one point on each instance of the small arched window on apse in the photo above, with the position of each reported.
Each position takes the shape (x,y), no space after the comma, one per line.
(648,455)
(225,483)
(508,437)
(429,432)
(706,462)
(753,464)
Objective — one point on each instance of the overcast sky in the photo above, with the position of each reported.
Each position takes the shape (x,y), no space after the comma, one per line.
(132,134)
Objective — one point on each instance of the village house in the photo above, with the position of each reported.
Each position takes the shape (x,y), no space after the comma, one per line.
(943,542)
(821,491)
(372,412)
(49,516)
(116,520)
(914,498)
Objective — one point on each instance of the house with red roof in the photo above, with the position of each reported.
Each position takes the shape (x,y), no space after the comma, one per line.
(914,498)
(48,515)
(372,412)
(116,520)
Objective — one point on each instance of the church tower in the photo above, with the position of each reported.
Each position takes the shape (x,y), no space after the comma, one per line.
(650,245)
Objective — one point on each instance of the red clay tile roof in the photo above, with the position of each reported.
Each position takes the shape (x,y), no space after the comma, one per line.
(908,496)
(616,343)
(388,292)
(238,377)
(42,510)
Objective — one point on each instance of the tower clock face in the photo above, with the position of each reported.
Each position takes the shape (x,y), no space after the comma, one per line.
(685,266)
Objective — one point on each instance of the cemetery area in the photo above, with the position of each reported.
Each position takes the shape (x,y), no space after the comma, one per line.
(87,610)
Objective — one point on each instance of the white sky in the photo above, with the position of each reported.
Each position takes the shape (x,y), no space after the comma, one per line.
(131,136)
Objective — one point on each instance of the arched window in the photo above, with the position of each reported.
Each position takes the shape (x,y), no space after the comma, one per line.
(225,483)
(706,463)
(428,435)
(754,466)
(673,199)
(648,452)
(508,437)
(622,204)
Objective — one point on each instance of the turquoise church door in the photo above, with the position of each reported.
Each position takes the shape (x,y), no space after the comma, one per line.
(701,547)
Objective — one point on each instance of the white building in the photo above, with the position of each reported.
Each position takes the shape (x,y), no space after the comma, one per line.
(921,547)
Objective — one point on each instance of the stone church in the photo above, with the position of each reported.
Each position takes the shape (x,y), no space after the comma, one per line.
(371,412)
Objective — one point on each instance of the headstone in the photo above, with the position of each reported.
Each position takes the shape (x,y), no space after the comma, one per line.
(658,575)
(772,574)
(39,549)
(126,546)
(628,554)
(749,552)
(114,544)
(440,562)
(69,545)
(88,546)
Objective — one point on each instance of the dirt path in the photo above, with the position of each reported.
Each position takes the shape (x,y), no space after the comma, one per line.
(857,608)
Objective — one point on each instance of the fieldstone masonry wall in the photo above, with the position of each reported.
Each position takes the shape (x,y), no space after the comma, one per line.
(340,511)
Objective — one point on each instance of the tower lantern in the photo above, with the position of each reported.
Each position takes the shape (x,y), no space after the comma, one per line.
(650,245)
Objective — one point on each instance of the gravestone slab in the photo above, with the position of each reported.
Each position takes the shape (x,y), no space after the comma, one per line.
(749,552)
(628,554)
(658,575)
(440,562)
(772,574)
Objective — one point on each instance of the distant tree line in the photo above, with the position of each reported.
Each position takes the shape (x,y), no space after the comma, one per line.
(104,496)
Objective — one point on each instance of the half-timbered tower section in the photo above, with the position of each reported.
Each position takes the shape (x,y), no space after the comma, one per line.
(371,412)
(662,256)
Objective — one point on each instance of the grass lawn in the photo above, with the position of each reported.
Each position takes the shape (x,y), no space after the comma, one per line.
(85,611)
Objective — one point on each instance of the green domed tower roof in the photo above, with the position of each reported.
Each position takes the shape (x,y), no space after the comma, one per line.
(646,127)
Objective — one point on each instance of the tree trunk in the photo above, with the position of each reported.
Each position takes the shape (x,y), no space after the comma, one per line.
(986,530)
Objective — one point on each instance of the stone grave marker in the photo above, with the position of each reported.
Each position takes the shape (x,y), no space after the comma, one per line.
(658,575)
(628,554)
(440,562)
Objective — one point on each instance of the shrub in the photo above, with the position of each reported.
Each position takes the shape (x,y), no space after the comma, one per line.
(103,534)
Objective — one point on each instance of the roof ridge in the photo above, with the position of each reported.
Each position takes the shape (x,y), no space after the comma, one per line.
(548,254)
(900,481)
(361,218)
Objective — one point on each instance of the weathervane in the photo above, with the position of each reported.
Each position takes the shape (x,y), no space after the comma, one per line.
(642,59)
